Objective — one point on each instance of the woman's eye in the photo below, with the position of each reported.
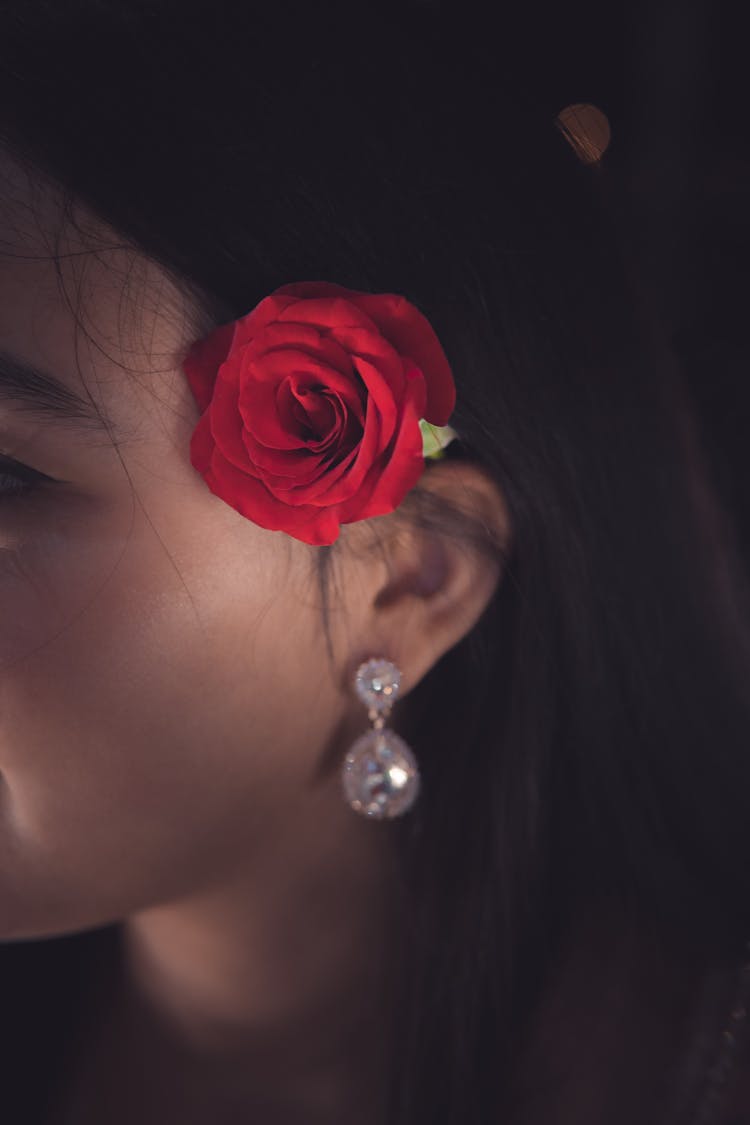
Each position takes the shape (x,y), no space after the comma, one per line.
(17,479)
(12,485)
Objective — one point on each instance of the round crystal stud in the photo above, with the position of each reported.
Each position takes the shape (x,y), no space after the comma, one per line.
(377,682)
(380,775)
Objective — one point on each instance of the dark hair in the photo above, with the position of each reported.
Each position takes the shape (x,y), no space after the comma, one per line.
(585,749)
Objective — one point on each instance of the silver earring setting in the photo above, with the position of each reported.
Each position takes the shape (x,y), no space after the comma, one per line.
(380,775)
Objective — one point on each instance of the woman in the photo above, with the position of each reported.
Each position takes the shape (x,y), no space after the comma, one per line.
(544,917)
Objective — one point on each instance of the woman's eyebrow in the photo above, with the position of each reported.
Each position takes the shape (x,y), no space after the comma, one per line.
(40,394)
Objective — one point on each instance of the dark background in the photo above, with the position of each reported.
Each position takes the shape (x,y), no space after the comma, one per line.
(672,78)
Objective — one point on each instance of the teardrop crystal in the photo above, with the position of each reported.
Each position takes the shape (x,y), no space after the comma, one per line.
(380,775)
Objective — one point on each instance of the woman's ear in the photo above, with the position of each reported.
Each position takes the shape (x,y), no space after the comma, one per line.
(433,586)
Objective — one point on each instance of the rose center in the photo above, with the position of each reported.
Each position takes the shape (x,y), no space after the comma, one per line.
(315,412)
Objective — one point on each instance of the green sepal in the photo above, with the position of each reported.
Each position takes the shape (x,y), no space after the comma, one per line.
(435,439)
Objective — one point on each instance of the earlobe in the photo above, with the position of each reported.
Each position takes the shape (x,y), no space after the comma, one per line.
(438,583)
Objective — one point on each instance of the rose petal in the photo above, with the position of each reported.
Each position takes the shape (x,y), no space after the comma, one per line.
(331,312)
(413,337)
(258,391)
(252,499)
(314,411)
(301,338)
(202,363)
(305,464)
(225,420)
(397,472)
(377,354)
(248,327)
(282,478)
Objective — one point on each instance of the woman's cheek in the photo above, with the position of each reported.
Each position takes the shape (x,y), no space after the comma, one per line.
(49,570)
(68,593)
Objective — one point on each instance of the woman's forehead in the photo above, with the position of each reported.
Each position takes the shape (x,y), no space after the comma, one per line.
(75,297)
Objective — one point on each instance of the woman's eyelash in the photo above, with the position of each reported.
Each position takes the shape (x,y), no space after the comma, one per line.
(12,485)
(16,479)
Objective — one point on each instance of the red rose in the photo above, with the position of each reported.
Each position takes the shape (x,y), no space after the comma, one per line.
(311,407)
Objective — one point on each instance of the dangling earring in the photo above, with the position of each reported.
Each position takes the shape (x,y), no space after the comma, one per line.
(380,773)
